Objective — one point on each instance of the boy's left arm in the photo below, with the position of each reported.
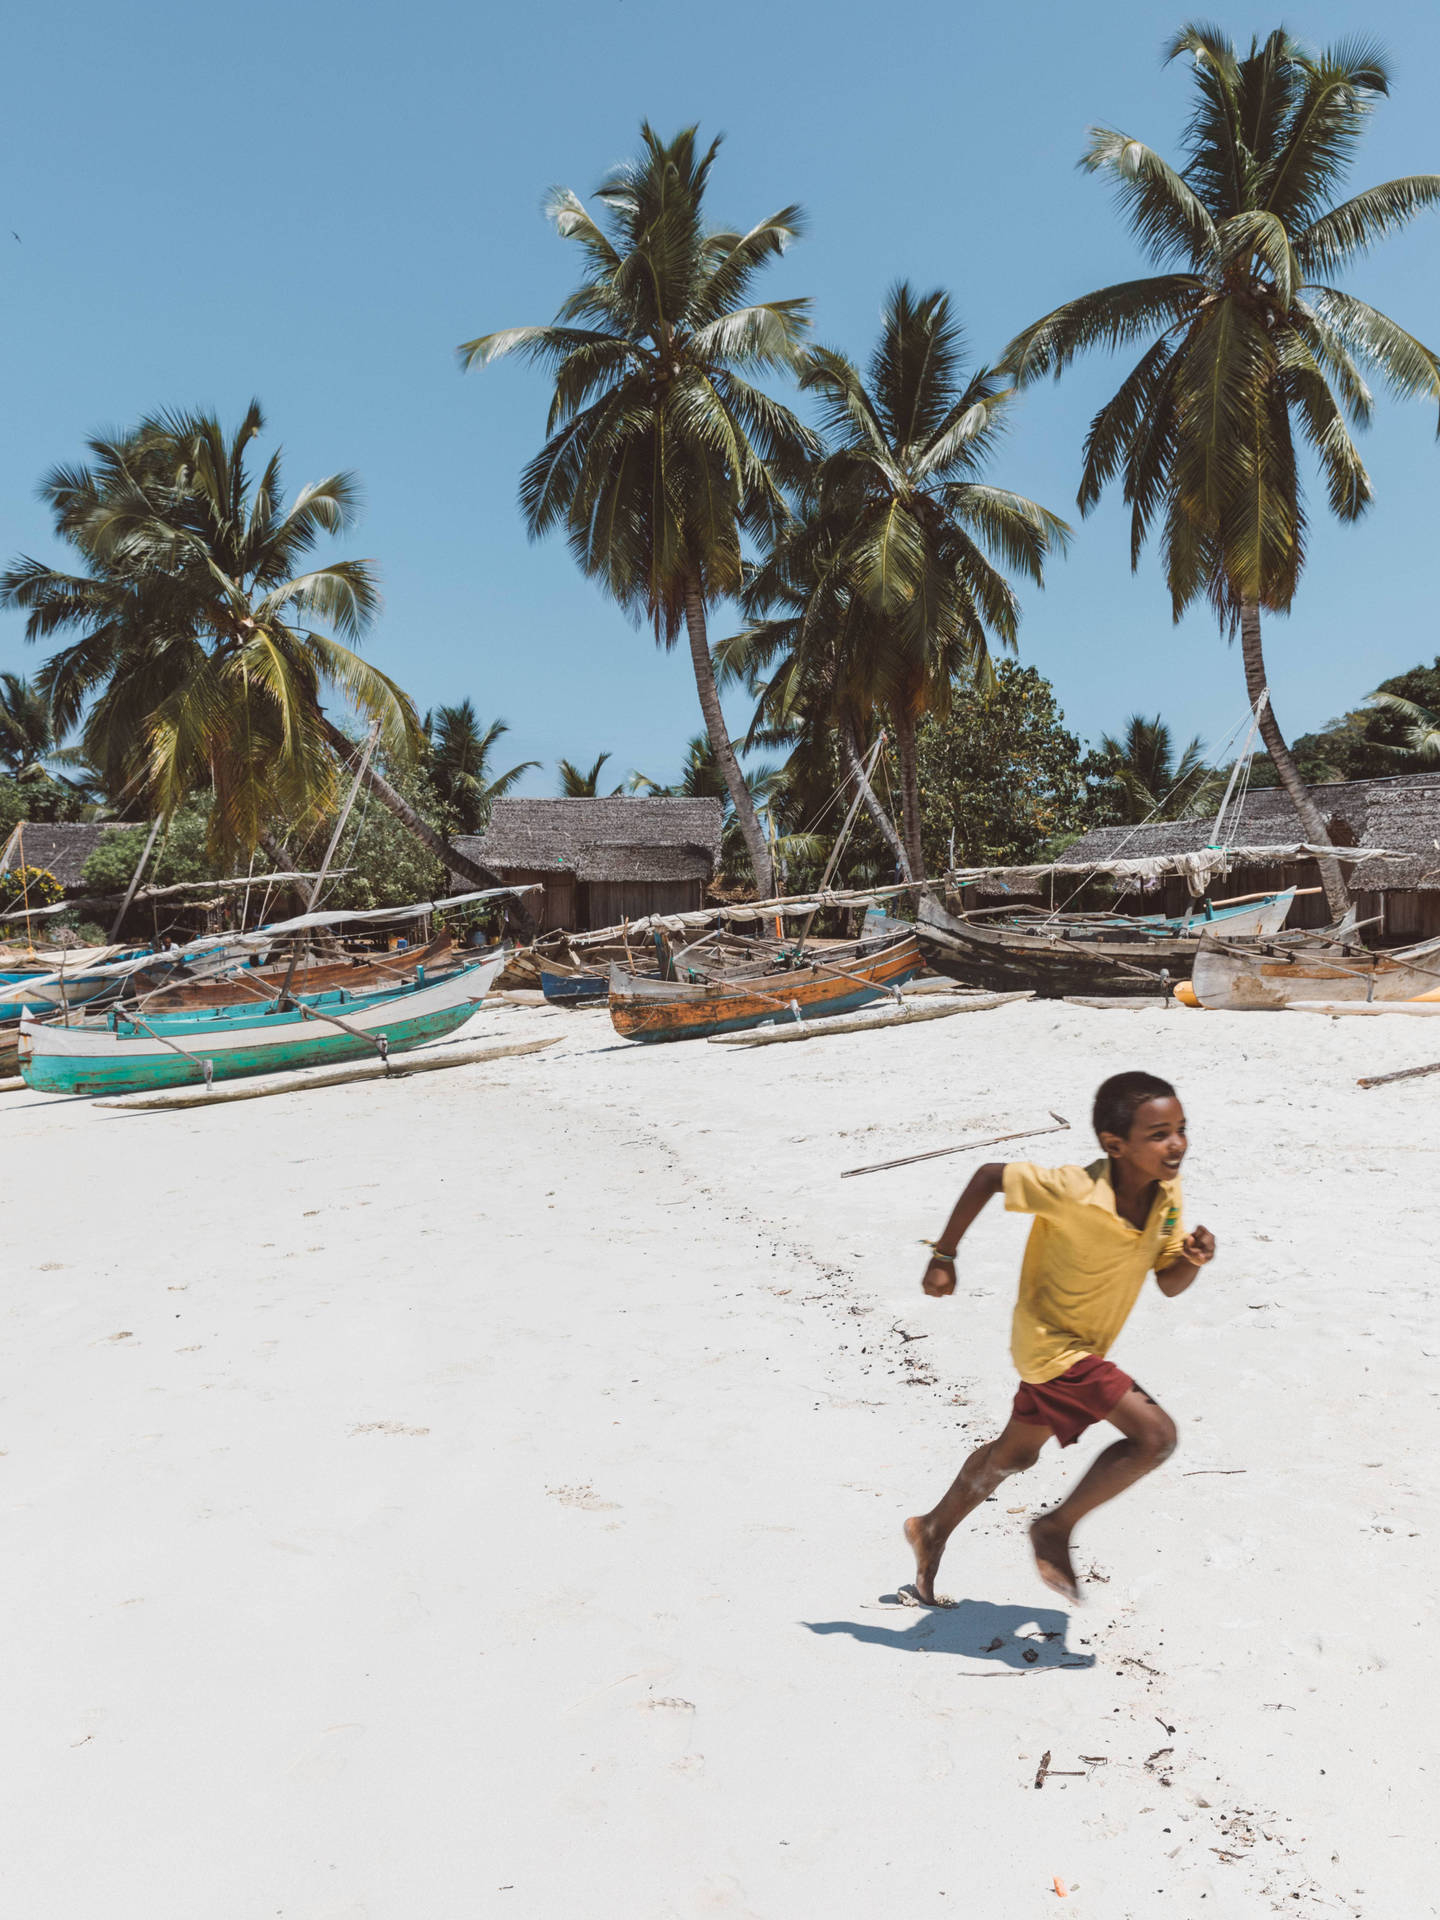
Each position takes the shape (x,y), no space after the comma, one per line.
(1197,1250)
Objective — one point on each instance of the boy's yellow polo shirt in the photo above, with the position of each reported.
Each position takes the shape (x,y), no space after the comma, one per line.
(1084,1264)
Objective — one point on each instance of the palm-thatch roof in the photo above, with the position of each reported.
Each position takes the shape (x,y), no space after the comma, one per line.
(1401,814)
(60,846)
(601,840)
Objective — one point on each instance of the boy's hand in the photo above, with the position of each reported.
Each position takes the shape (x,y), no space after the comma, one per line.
(1199,1248)
(939,1277)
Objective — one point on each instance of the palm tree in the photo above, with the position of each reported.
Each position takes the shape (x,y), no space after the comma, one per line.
(198,651)
(806,657)
(900,560)
(1147,779)
(459,763)
(702,778)
(32,754)
(1246,341)
(578,784)
(659,453)
(30,746)
(1417,726)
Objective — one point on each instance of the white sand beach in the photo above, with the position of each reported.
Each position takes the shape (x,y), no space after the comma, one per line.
(472,1495)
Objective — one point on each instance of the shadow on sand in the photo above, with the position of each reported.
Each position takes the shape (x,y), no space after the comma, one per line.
(1029,1639)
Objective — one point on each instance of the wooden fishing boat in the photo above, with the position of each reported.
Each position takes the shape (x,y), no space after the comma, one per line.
(1266,975)
(131,1052)
(1068,955)
(808,987)
(574,989)
(247,986)
(64,976)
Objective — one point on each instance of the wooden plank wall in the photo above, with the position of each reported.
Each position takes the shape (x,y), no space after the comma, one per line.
(605,903)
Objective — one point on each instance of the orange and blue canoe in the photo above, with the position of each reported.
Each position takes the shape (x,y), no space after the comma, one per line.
(829,984)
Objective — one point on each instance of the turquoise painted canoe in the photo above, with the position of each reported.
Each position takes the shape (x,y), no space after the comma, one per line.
(136,1053)
(70,976)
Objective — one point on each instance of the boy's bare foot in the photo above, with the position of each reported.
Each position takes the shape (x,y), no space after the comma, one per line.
(1050,1541)
(927,1547)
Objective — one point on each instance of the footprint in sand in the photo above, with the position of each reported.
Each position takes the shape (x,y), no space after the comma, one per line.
(585,1497)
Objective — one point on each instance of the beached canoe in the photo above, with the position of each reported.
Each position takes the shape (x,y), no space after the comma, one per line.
(653,1009)
(1068,955)
(1267,975)
(64,976)
(248,986)
(127,1054)
(574,989)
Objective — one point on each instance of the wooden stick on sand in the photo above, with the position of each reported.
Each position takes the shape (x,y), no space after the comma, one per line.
(1405,1073)
(966,1146)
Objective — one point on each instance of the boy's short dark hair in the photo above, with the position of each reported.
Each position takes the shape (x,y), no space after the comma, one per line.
(1120,1098)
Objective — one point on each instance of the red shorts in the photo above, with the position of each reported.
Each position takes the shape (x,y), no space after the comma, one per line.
(1074,1400)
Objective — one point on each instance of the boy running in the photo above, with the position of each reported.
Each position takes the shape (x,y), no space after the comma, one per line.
(1098,1230)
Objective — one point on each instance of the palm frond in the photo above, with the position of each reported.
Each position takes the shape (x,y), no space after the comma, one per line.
(1110,318)
(1343,233)
(1166,215)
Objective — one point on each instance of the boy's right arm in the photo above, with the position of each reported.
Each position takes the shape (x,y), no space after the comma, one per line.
(984,1184)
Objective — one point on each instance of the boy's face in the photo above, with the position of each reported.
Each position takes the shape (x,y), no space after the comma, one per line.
(1156,1143)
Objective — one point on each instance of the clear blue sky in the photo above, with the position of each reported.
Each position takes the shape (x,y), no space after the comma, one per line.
(314,203)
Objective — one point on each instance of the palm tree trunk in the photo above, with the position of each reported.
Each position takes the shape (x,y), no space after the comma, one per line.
(910,791)
(436,843)
(1337,893)
(745,814)
(855,767)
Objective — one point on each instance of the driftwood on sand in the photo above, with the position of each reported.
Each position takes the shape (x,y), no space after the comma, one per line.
(300,1081)
(865,1022)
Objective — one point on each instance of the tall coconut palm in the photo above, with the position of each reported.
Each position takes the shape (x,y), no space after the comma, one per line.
(459,762)
(660,454)
(1248,345)
(199,652)
(906,542)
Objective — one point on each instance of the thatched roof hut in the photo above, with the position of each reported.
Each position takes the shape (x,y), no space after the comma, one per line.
(1400,815)
(60,846)
(602,861)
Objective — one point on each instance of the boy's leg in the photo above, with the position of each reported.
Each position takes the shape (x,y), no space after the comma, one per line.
(1017,1448)
(1149,1439)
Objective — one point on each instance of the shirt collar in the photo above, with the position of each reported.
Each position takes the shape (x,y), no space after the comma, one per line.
(1102,1191)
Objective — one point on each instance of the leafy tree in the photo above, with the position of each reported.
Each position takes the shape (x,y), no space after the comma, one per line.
(389,866)
(660,453)
(1371,741)
(198,650)
(899,566)
(1140,777)
(183,852)
(1000,773)
(1248,342)
(459,764)
(580,783)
